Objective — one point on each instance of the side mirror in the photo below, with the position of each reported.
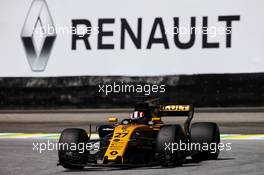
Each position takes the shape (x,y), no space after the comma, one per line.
(112,119)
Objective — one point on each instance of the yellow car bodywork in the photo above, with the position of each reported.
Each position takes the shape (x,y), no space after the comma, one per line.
(123,134)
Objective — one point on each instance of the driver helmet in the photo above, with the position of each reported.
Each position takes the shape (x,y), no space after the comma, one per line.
(137,115)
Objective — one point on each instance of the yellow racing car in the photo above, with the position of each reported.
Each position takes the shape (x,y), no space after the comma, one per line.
(141,140)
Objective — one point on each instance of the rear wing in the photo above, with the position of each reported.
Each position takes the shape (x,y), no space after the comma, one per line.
(175,110)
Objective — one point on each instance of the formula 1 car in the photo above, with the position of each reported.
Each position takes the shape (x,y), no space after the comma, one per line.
(141,140)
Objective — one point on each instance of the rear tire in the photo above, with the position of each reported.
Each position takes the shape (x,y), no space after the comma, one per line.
(73,159)
(170,134)
(205,133)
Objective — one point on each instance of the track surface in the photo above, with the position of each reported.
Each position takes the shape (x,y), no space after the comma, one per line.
(49,122)
(18,158)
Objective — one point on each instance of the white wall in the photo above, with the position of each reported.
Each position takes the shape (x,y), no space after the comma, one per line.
(246,53)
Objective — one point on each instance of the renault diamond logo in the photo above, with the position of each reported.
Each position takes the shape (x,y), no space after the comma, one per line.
(38,50)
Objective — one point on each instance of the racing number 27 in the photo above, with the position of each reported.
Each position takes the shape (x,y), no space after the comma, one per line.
(119,134)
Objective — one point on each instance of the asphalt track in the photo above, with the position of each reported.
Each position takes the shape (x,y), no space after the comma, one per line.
(55,121)
(17,156)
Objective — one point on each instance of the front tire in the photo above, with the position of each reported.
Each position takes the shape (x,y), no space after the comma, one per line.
(171,134)
(205,133)
(77,158)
